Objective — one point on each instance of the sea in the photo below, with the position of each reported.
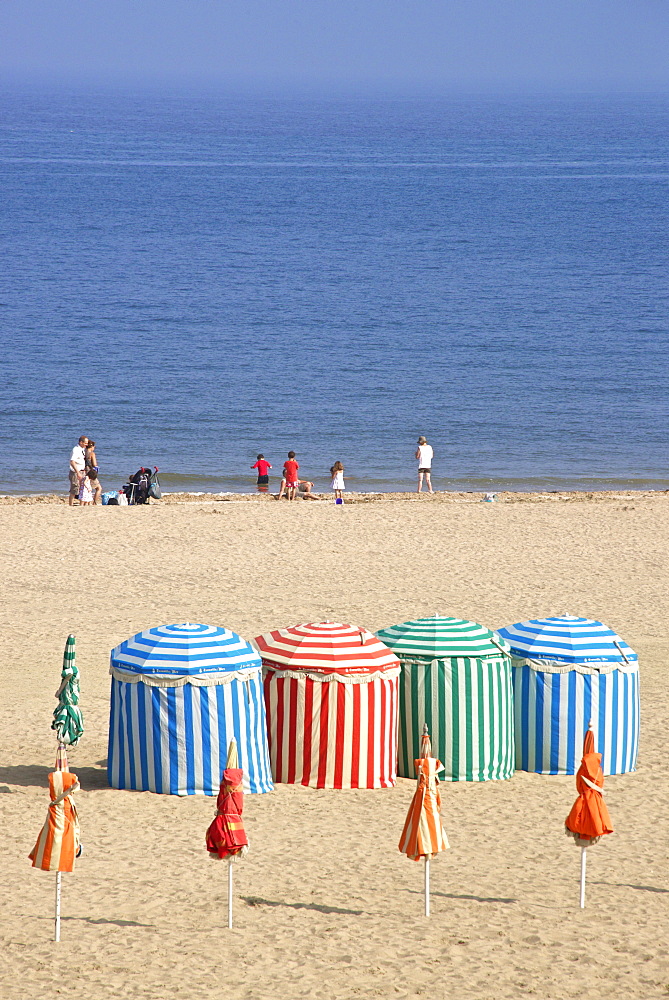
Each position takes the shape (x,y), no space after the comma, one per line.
(191,280)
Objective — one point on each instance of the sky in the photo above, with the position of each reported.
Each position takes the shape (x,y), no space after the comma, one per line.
(348,46)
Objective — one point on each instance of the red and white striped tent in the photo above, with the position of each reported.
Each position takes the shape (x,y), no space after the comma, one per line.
(331,695)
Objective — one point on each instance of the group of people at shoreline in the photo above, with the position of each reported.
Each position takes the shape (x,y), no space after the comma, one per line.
(292,485)
(85,485)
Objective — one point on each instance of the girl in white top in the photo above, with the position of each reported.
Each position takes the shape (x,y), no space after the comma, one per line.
(337,472)
(424,454)
(85,492)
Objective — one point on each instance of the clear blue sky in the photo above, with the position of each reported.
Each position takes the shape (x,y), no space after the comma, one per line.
(340,45)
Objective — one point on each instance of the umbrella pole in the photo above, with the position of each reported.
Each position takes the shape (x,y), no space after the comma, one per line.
(229,892)
(583,860)
(56,935)
(427,887)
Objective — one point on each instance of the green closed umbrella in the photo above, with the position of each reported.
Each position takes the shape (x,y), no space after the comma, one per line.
(456,679)
(67,718)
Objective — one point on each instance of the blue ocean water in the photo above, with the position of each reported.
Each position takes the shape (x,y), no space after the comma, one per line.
(192,280)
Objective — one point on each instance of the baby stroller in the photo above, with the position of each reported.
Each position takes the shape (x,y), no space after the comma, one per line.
(142,485)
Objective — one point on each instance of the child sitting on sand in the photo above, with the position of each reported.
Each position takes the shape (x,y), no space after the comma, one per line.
(337,473)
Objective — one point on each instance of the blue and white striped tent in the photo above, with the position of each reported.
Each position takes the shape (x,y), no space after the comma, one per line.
(567,671)
(179,693)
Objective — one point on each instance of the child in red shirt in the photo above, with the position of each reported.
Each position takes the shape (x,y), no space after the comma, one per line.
(262,465)
(290,468)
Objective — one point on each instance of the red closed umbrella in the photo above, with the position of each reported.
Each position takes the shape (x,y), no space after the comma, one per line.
(226,837)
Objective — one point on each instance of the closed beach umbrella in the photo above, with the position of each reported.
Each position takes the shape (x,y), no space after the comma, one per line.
(179,694)
(226,837)
(58,843)
(67,718)
(331,696)
(566,671)
(423,836)
(456,678)
(589,818)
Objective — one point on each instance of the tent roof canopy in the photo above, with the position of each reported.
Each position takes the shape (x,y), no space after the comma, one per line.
(185,650)
(440,638)
(567,639)
(325,648)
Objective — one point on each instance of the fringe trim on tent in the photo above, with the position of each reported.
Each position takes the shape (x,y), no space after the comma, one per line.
(299,675)
(559,667)
(178,680)
(493,658)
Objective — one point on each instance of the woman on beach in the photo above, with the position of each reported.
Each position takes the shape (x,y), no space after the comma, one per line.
(92,471)
(338,485)
(91,458)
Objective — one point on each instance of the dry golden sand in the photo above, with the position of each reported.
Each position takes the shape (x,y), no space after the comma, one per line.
(325,906)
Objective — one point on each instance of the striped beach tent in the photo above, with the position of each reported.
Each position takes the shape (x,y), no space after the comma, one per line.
(331,697)
(568,671)
(456,677)
(179,694)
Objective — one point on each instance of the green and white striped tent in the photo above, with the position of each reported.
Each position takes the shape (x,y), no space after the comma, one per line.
(456,677)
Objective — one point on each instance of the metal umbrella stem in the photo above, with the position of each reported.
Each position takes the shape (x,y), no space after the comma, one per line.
(229,893)
(56,934)
(583,862)
(427,887)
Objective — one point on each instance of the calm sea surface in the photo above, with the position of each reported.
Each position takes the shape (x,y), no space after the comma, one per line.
(192,281)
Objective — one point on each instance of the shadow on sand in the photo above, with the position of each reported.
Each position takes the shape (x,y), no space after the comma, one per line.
(630,885)
(320,907)
(37,775)
(459,895)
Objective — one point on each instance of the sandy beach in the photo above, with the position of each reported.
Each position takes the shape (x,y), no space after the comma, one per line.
(325,905)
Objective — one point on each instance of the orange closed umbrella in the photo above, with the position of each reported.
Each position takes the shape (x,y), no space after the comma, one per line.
(58,844)
(423,836)
(589,818)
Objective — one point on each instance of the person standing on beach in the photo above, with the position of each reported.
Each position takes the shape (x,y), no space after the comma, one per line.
(338,485)
(77,467)
(263,467)
(290,468)
(424,454)
(92,466)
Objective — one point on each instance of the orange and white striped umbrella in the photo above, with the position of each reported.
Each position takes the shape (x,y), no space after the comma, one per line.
(423,835)
(58,842)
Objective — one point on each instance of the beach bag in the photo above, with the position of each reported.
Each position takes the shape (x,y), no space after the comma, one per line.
(108,497)
(155,491)
(122,500)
